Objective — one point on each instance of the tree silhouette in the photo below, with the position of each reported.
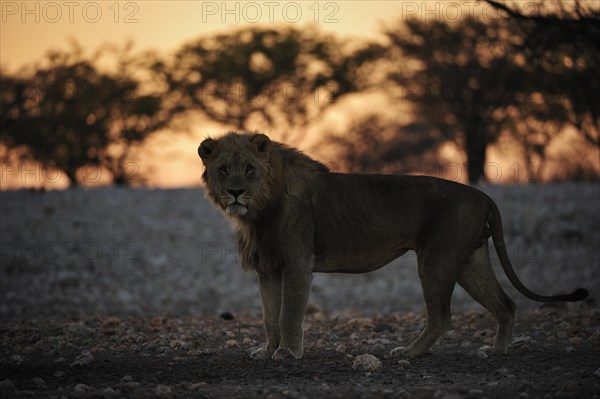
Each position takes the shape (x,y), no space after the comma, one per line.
(469,81)
(67,114)
(54,114)
(284,78)
(563,42)
(373,144)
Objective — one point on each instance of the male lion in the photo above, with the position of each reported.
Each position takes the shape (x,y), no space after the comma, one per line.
(293,217)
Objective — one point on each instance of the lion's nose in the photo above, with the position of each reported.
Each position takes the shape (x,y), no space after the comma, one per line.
(236,192)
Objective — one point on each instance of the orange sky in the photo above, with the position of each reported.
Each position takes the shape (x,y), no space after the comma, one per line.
(30,28)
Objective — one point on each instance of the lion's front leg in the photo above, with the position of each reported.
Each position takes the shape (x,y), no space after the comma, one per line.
(296,290)
(270,295)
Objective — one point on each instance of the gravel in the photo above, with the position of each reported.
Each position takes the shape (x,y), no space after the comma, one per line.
(119,251)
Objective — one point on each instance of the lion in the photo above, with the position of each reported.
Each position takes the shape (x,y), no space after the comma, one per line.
(294,217)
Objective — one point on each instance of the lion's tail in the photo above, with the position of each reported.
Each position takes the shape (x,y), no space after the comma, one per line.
(495,223)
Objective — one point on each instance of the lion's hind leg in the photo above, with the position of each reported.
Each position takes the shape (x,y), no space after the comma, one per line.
(438,277)
(478,279)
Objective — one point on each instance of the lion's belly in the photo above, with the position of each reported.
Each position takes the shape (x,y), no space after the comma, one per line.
(355,261)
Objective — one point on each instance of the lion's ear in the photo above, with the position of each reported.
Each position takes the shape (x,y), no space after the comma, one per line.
(261,142)
(207,149)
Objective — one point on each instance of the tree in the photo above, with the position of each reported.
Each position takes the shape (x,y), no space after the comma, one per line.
(468,81)
(564,43)
(135,115)
(282,79)
(67,114)
(373,144)
(55,114)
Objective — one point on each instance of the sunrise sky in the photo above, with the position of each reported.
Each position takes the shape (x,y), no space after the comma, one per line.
(28,29)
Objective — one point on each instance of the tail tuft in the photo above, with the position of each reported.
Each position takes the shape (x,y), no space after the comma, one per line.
(578,295)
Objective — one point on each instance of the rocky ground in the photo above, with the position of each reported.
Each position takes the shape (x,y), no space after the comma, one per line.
(141,252)
(555,354)
(117,293)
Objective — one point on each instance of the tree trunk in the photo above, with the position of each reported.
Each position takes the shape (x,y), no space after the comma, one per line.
(72,176)
(476,144)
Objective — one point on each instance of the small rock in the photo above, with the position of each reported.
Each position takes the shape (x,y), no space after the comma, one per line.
(39,381)
(340,347)
(439,394)
(7,385)
(60,360)
(502,371)
(226,316)
(466,344)
(492,384)
(59,373)
(42,345)
(84,359)
(232,343)
(197,386)
(403,363)
(524,386)
(162,390)
(111,323)
(79,331)
(176,344)
(366,362)
(130,387)
(17,358)
(521,339)
(127,378)
(570,349)
(152,346)
(597,372)
(229,334)
(109,392)
(524,395)
(475,391)
(362,322)
(484,333)
(570,387)
(481,354)
(83,388)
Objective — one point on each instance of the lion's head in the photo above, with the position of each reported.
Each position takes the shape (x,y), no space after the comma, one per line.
(239,173)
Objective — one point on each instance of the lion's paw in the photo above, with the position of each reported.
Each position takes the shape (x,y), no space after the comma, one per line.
(283,353)
(492,350)
(398,351)
(260,353)
(406,351)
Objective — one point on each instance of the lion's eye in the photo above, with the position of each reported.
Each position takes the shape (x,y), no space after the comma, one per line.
(223,170)
(249,169)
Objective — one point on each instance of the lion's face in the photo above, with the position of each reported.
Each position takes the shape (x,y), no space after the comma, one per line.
(236,172)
